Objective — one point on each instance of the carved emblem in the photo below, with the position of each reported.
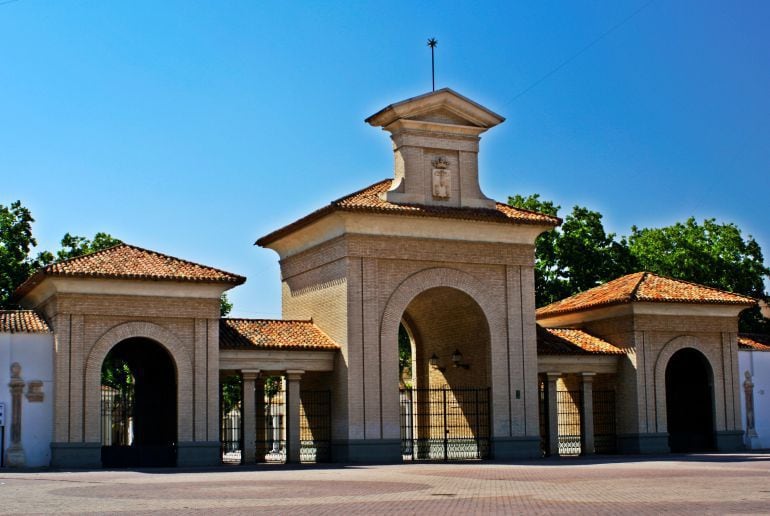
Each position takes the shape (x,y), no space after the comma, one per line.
(441,178)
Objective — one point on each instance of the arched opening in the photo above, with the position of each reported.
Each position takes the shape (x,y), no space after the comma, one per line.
(138,405)
(444,350)
(689,402)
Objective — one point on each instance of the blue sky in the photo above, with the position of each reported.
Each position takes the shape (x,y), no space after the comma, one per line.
(195,127)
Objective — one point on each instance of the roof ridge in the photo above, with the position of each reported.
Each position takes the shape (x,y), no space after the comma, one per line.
(700,285)
(359,191)
(144,250)
(533,212)
(79,257)
(634,290)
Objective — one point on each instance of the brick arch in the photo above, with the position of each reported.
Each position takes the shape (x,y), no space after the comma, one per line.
(163,337)
(712,358)
(427,279)
(397,304)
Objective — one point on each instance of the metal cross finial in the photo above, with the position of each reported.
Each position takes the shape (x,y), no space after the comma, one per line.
(432,42)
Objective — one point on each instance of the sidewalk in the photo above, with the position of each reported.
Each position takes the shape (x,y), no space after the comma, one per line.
(704,484)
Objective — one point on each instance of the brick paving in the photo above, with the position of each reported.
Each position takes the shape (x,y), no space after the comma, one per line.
(703,484)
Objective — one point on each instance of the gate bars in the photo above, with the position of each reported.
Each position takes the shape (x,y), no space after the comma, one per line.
(569,409)
(315,428)
(444,423)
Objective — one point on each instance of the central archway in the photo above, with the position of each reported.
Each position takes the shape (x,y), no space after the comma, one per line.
(445,407)
(138,405)
(689,402)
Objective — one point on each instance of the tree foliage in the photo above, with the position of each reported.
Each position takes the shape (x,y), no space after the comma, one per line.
(16,243)
(225,306)
(578,256)
(581,255)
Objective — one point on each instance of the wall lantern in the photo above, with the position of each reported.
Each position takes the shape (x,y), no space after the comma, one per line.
(434,363)
(457,360)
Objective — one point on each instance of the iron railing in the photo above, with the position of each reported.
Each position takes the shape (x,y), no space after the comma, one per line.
(117,416)
(605,437)
(569,406)
(445,423)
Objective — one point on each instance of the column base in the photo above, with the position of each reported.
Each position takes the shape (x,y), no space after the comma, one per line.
(198,453)
(367,451)
(14,456)
(643,443)
(729,441)
(76,455)
(513,448)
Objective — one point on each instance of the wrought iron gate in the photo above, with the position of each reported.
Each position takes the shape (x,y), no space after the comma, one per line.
(569,405)
(271,427)
(315,426)
(605,439)
(117,416)
(445,423)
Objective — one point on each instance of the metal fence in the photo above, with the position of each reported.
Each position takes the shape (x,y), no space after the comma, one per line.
(569,406)
(445,423)
(315,426)
(231,436)
(117,416)
(271,427)
(605,437)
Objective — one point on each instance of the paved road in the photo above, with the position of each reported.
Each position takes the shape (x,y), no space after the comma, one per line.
(705,484)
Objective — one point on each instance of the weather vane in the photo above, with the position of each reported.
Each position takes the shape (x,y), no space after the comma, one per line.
(432,44)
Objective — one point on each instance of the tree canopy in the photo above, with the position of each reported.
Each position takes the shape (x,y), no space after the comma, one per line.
(581,255)
(17,242)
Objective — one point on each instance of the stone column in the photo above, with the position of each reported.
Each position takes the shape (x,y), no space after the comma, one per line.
(248,417)
(292,415)
(553,414)
(587,415)
(15,453)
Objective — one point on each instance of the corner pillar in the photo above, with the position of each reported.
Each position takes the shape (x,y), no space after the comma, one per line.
(553,413)
(293,443)
(587,416)
(249,455)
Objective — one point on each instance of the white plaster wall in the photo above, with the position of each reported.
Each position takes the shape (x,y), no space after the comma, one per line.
(758,363)
(34,352)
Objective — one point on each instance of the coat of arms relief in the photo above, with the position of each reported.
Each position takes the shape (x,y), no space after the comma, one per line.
(441,178)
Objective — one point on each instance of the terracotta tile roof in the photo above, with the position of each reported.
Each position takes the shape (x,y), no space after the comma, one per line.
(367,200)
(125,261)
(647,287)
(568,341)
(22,321)
(273,334)
(753,342)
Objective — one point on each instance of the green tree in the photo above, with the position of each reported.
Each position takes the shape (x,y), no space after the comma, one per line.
(225,306)
(711,253)
(16,241)
(578,256)
(73,246)
(550,285)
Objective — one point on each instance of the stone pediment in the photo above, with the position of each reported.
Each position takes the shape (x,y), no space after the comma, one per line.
(444,106)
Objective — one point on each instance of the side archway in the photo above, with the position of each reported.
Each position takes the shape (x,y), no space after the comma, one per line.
(168,341)
(676,349)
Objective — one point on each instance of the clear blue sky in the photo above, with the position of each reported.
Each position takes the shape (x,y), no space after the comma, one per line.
(193,128)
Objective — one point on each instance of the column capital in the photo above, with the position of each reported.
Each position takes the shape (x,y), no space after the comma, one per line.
(588,377)
(250,374)
(294,374)
(552,376)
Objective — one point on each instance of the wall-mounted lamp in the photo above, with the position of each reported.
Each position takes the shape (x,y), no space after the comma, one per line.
(434,363)
(457,360)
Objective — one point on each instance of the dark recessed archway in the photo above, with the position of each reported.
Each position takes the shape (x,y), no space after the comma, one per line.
(139,408)
(689,402)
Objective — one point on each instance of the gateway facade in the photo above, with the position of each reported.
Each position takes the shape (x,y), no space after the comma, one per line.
(426,254)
